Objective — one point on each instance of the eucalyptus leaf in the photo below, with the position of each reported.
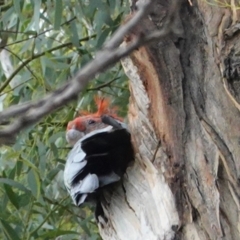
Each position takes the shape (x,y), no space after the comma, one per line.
(14,184)
(56,233)
(17,8)
(9,232)
(58,14)
(74,36)
(13,197)
(36,16)
(34,183)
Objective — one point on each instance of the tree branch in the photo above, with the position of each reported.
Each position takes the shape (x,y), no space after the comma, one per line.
(30,113)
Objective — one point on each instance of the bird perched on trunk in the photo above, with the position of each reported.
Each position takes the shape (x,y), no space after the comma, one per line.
(101,152)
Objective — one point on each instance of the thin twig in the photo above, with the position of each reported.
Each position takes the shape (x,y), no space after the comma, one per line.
(107,84)
(19,58)
(35,35)
(12,89)
(46,218)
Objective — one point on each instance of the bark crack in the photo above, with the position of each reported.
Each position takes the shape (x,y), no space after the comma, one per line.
(197,182)
(155,153)
(126,200)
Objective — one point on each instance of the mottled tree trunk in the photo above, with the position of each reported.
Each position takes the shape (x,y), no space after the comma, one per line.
(185,123)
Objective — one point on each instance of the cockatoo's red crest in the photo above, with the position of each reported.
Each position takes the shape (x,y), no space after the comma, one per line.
(103,107)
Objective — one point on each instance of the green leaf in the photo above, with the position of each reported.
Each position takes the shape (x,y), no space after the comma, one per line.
(36,15)
(24,199)
(28,163)
(112,4)
(17,8)
(45,18)
(102,37)
(8,16)
(43,64)
(103,18)
(85,227)
(42,157)
(55,136)
(58,14)
(9,232)
(55,233)
(34,183)
(12,173)
(12,196)
(19,166)
(14,184)
(27,45)
(51,175)
(74,36)
(63,161)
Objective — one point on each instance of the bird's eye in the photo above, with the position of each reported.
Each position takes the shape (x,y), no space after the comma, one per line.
(90,121)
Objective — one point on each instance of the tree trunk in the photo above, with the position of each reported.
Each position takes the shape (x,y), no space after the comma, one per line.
(185,124)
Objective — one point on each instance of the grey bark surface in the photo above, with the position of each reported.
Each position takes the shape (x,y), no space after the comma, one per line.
(185,123)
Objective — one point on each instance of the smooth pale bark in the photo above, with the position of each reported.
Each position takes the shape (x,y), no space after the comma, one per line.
(185,123)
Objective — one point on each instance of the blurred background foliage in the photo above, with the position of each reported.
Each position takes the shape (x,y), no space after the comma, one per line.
(45,43)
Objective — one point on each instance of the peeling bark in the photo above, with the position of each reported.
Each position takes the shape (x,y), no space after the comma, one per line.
(185,124)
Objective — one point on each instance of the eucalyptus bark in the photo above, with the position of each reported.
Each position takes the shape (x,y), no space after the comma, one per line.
(185,124)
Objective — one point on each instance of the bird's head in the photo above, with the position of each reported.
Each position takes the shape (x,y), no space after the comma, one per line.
(89,122)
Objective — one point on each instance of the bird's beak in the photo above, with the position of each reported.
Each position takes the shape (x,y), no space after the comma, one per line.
(73,135)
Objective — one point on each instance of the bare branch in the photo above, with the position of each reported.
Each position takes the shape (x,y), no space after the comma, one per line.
(30,113)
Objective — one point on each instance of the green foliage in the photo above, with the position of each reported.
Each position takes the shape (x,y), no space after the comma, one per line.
(224,4)
(48,42)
